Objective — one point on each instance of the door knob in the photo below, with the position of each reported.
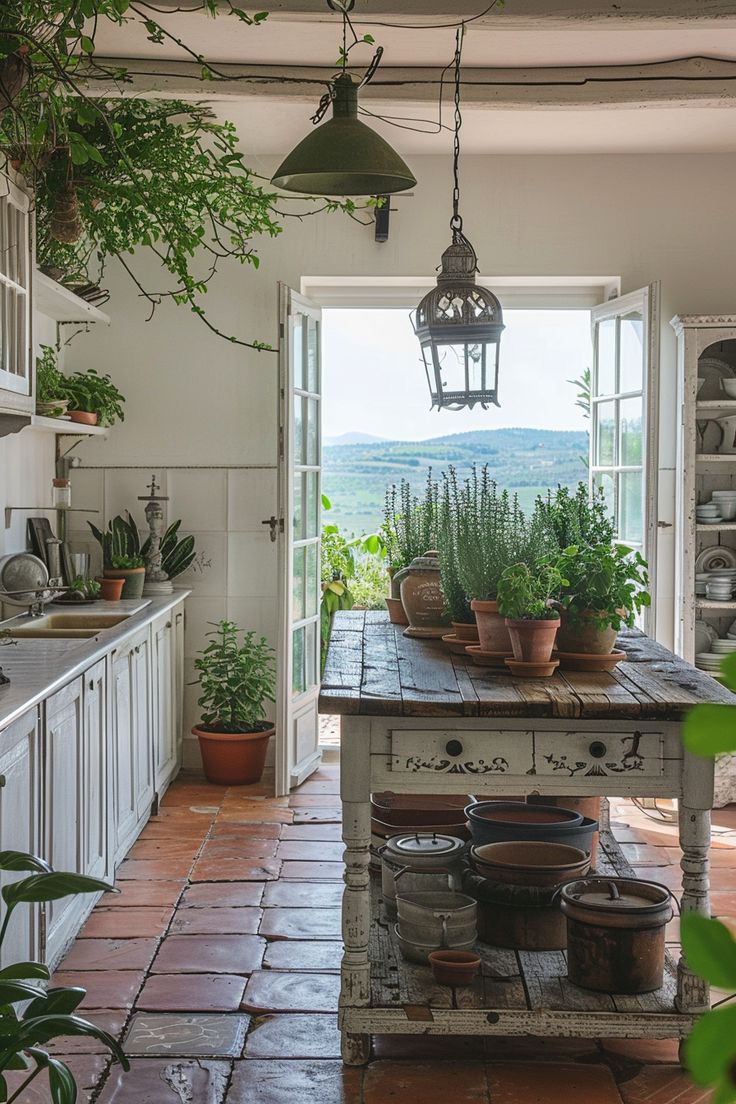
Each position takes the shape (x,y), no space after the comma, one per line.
(276,526)
(454,747)
(597,749)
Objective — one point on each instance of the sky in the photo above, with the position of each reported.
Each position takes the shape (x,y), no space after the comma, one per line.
(374,380)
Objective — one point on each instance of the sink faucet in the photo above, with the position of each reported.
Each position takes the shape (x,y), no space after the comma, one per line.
(41,597)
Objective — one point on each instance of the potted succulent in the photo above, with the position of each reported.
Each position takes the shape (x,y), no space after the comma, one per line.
(410,528)
(606,587)
(525,599)
(236,679)
(51,400)
(93,399)
(132,570)
(124,556)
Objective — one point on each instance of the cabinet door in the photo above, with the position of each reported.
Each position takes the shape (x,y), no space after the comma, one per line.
(123,781)
(141,686)
(20,828)
(64,810)
(164,693)
(179,683)
(95,790)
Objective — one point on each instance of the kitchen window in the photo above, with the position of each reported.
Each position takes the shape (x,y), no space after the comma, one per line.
(15,269)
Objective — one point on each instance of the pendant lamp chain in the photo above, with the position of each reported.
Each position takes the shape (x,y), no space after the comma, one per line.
(456,222)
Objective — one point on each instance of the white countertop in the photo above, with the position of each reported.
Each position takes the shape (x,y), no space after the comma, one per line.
(37,668)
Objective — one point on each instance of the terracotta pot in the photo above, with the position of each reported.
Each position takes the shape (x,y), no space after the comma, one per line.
(585,635)
(396,612)
(492,632)
(111,589)
(532,641)
(133,579)
(467,632)
(587,806)
(454,967)
(234,758)
(530,862)
(422,597)
(85,417)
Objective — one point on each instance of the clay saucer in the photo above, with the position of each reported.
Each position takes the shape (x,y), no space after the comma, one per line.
(454,643)
(485,659)
(532,670)
(587,661)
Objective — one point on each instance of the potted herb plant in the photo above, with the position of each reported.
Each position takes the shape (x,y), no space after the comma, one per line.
(457,603)
(132,570)
(93,399)
(606,587)
(124,557)
(51,400)
(525,597)
(236,679)
(409,530)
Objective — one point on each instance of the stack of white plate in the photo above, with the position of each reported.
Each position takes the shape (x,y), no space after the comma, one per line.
(709,661)
(723,647)
(701,582)
(719,587)
(709,514)
(725,501)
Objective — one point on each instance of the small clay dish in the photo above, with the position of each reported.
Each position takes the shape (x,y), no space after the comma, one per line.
(454,643)
(454,967)
(532,670)
(485,659)
(587,661)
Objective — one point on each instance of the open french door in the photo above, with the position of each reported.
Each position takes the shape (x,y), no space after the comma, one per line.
(624,440)
(300,459)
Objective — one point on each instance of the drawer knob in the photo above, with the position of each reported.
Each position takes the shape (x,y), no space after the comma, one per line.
(597,749)
(454,747)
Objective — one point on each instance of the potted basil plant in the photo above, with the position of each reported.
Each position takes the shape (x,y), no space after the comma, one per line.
(93,399)
(525,599)
(236,679)
(606,587)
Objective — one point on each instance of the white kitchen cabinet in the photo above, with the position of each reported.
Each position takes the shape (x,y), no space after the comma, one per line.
(95,851)
(166,720)
(132,764)
(20,827)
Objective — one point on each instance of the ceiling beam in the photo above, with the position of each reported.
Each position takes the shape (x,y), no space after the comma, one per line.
(520,13)
(704,82)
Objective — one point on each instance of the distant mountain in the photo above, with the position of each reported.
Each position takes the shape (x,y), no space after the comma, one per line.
(353,438)
(527,461)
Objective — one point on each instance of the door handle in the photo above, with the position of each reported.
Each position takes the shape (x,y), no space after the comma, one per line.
(276,526)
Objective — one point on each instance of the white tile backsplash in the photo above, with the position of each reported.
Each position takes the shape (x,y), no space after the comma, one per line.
(199,498)
(258,614)
(207,574)
(201,613)
(123,486)
(251,497)
(252,565)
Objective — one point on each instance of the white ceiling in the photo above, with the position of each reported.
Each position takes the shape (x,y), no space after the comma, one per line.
(270,124)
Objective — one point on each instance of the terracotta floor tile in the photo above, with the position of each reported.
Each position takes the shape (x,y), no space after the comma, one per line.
(723,904)
(644,854)
(216,921)
(112,1021)
(104,987)
(643,1050)
(209,954)
(168,1081)
(235,870)
(293,1036)
(315,851)
(723,878)
(320,956)
(172,828)
(178,796)
(318,816)
(551,1083)
(250,813)
(317,871)
(269,991)
(320,786)
(157,849)
(225,847)
(295,1082)
(126,923)
(154,869)
(236,830)
(188,818)
(222,895)
(531,1048)
(298,923)
(86,1068)
(462,1083)
(717,856)
(301,800)
(187,1034)
(303,894)
(110,954)
(192,993)
(662,1085)
(143,895)
(725,817)
(330,833)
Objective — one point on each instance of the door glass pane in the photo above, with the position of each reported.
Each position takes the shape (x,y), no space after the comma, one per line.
(605,480)
(298,675)
(631,352)
(312,354)
(299,429)
(312,441)
(299,515)
(631,438)
(313,589)
(312,504)
(299,584)
(297,350)
(631,507)
(605,423)
(606,384)
(310,659)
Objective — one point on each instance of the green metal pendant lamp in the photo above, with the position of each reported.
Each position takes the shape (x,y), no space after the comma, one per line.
(344,157)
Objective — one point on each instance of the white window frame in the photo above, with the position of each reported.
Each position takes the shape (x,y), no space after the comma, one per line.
(15,289)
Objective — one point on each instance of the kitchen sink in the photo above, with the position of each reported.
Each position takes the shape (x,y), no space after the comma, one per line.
(66,626)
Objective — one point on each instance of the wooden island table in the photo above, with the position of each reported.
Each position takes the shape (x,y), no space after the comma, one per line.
(415,719)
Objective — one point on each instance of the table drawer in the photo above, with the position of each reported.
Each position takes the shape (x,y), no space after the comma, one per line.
(602,754)
(448,751)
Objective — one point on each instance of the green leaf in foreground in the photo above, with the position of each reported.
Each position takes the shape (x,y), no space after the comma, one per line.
(710,730)
(710,1052)
(710,949)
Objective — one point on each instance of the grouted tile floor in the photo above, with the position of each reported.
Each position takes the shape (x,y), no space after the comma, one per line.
(217,965)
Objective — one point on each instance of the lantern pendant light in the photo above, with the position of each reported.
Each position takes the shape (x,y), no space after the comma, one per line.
(459,323)
(344,157)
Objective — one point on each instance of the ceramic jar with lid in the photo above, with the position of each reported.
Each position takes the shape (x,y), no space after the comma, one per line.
(616,933)
(422,597)
(433,859)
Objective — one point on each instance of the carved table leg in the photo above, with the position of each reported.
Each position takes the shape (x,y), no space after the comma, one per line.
(693,994)
(356,832)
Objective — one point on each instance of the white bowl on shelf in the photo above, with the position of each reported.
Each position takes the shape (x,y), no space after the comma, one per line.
(729,387)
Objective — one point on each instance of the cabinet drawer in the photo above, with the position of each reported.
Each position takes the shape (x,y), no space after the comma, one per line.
(601,754)
(448,751)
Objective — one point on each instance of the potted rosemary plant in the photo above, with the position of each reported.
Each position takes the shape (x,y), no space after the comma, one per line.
(236,679)
(457,604)
(409,530)
(525,599)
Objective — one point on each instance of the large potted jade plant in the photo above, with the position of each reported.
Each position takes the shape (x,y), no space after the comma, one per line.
(526,594)
(236,679)
(606,587)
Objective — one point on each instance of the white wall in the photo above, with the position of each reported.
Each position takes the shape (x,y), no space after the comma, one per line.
(196,400)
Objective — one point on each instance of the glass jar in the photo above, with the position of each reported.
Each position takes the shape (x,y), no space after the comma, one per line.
(61,494)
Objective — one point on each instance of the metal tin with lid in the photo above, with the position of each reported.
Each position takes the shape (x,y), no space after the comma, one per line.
(435,859)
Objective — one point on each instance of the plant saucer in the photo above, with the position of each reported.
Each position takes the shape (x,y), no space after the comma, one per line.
(532,670)
(588,661)
(454,643)
(486,659)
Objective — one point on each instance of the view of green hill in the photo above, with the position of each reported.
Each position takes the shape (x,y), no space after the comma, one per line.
(527,461)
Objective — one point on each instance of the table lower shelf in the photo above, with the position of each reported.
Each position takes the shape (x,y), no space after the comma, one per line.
(518,992)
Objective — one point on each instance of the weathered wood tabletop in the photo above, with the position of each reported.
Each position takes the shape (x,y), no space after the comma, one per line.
(372,669)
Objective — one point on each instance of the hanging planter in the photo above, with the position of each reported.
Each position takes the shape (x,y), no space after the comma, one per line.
(65,224)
